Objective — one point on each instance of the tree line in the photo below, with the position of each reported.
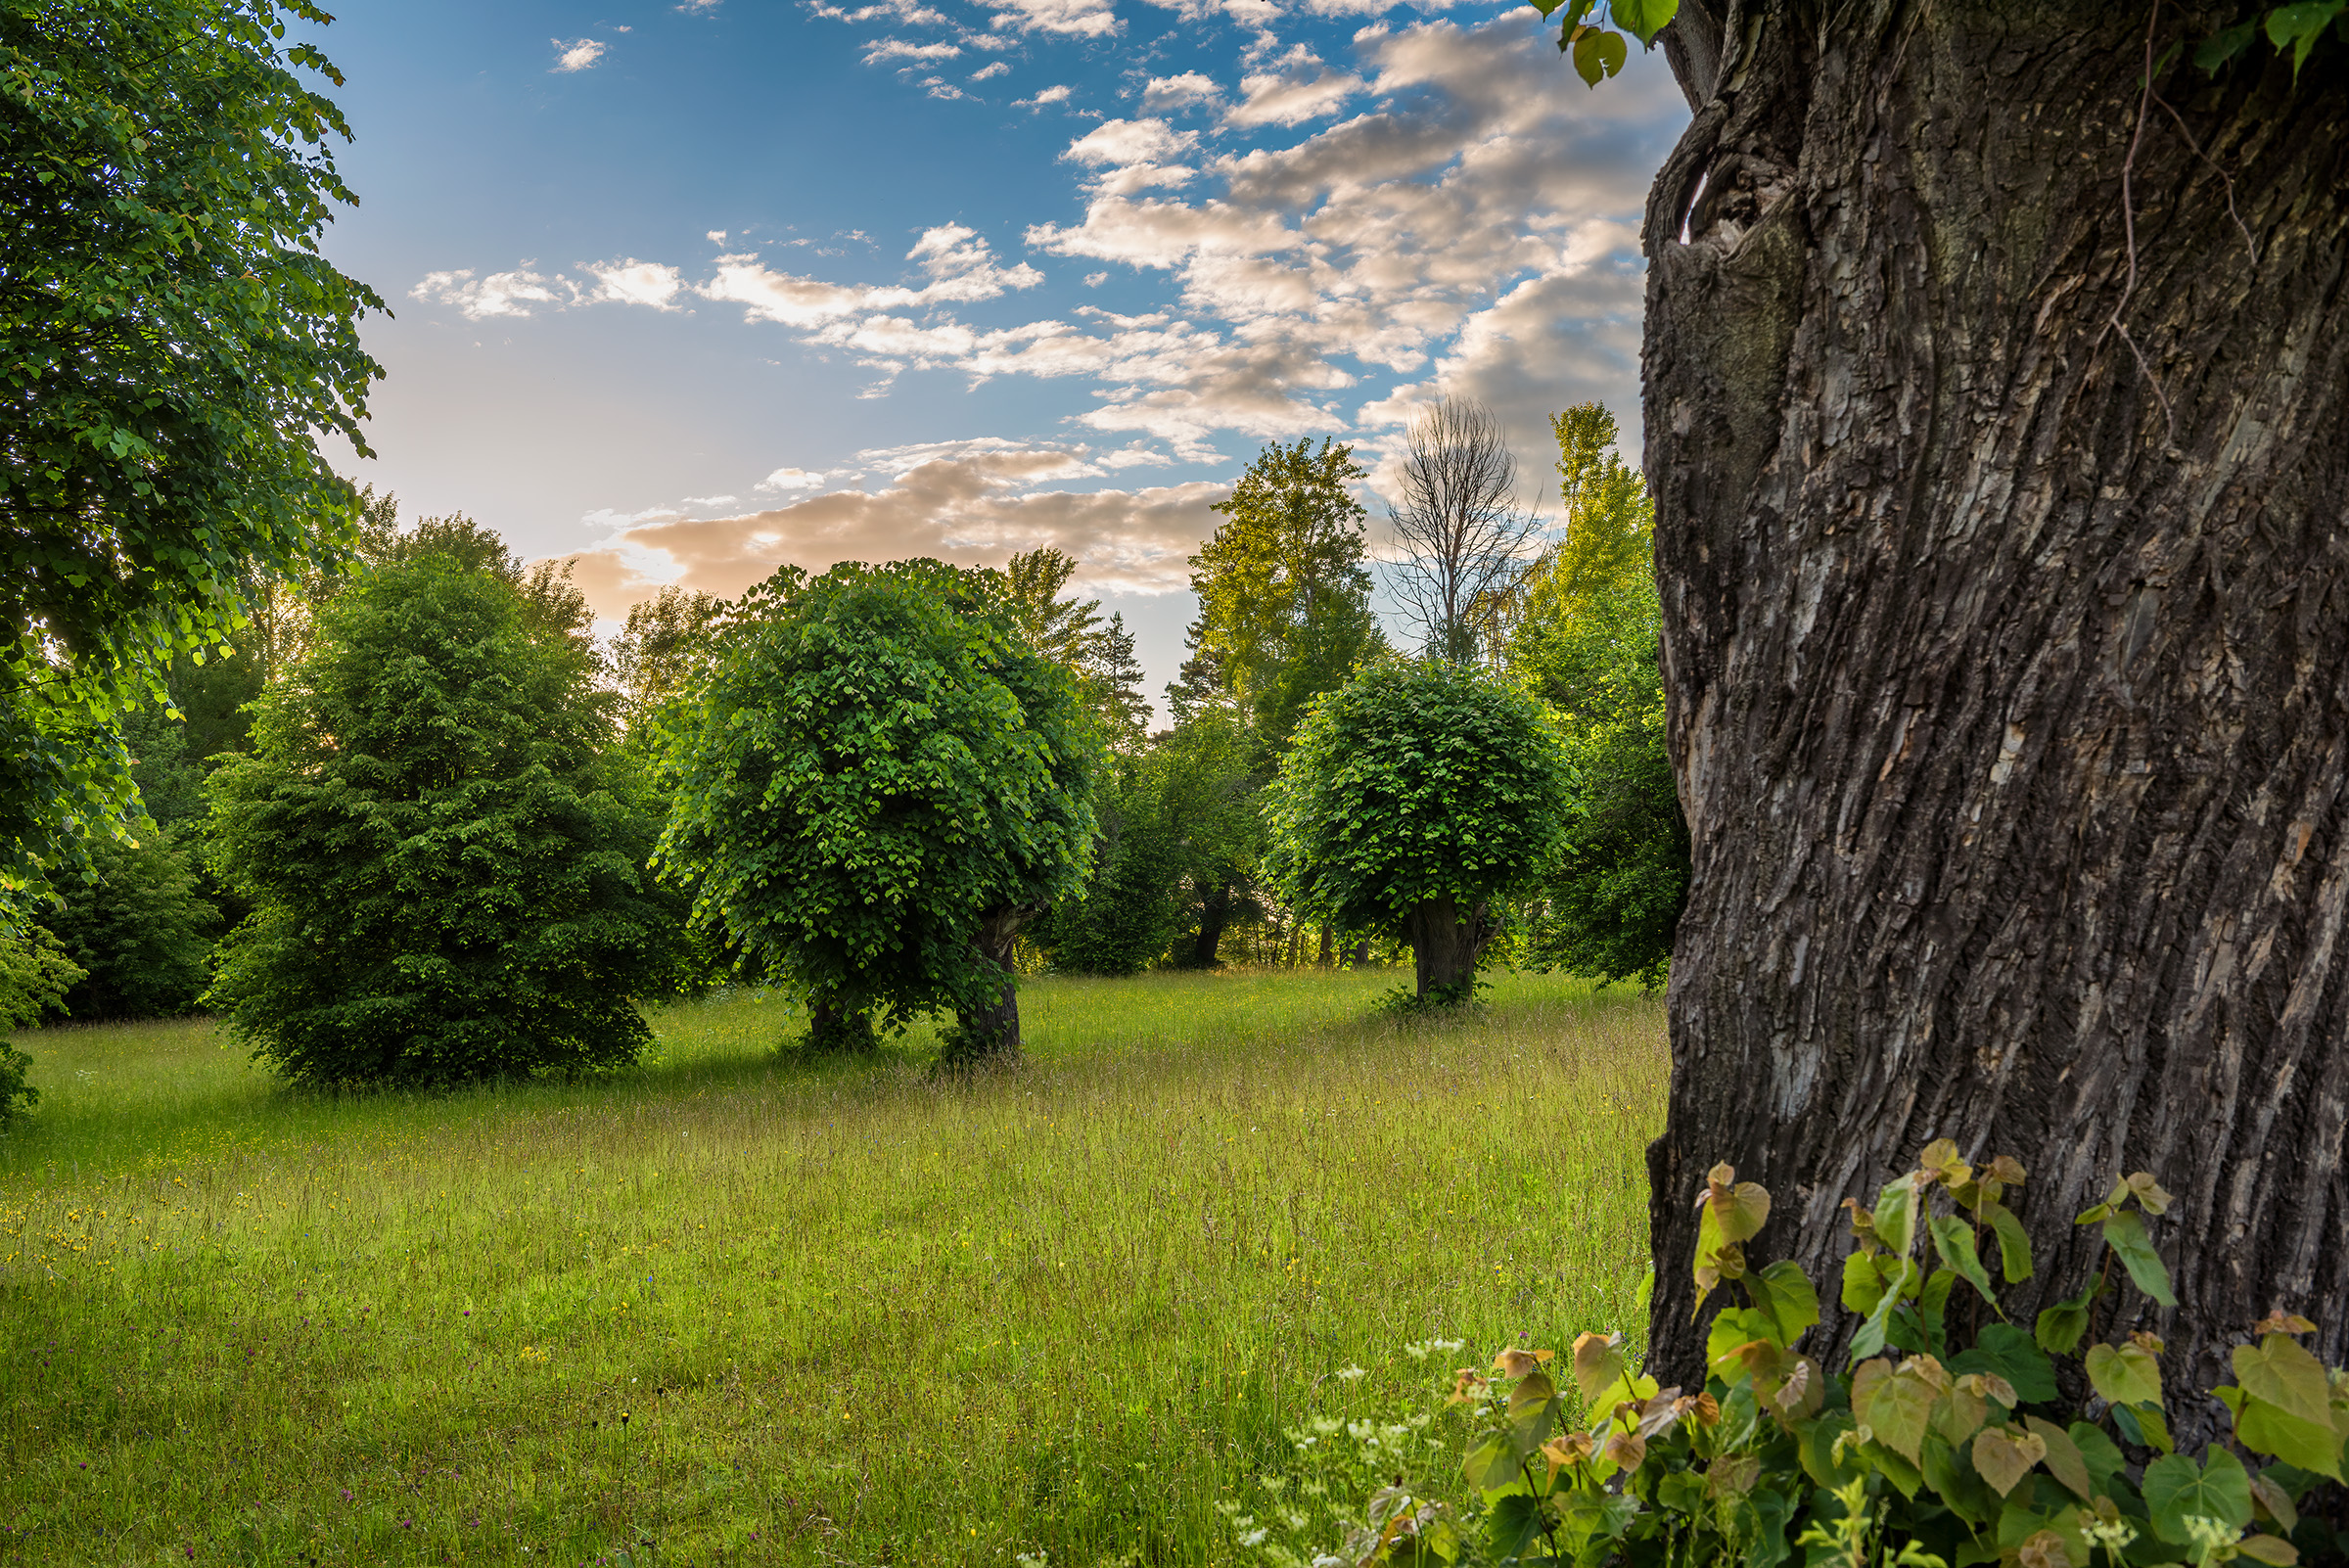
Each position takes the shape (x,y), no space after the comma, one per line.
(420,825)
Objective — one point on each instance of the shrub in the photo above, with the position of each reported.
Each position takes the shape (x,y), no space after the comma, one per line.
(1130,907)
(1932,1447)
(138,929)
(444,885)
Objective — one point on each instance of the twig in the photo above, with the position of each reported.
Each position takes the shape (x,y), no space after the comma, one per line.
(2249,243)
(2129,227)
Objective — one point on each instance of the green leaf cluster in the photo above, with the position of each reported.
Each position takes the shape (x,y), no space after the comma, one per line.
(1284,596)
(445,884)
(1599,52)
(1582,632)
(877,765)
(1131,905)
(1925,1450)
(171,343)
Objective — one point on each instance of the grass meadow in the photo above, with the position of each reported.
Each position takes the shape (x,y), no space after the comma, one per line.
(741,1308)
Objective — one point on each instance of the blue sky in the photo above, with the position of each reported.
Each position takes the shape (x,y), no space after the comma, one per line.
(685,291)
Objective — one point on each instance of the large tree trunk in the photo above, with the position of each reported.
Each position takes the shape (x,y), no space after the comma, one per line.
(2008,676)
(1446,944)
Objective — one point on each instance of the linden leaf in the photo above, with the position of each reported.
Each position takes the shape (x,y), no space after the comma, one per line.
(2014,1247)
(1598,55)
(1643,19)
(1896,1403)
(2286,1376)
(2177,1491)
(2003,1456)
(2125,1233)
(2065,1460)
(1598,1363)
(2124,1374)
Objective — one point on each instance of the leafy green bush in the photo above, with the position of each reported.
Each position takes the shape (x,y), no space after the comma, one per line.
(34,975)
(876,786)
(1417,797)
(446,886)
(139,930)
(1924,1452)
(1130,908)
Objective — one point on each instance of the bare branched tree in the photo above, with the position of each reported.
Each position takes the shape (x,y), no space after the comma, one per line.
(1464,538)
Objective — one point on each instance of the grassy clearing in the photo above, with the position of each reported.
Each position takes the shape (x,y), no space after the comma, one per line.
(852,1313)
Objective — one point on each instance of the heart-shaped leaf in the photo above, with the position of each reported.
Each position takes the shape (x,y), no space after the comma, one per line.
(2177,1490)
(2003,1456)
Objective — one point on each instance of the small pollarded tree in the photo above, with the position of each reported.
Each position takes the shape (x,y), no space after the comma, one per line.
(877,785)
(445,885)
(1416,799)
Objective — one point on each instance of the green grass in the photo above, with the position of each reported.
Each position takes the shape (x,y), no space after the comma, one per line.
(853,1314)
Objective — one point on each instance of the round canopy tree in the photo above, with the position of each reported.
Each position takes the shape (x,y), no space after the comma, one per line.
(445,887)
(1998,418)
(878,784)
(1416,799)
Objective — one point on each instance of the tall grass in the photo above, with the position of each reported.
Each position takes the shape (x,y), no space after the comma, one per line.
(749,1308)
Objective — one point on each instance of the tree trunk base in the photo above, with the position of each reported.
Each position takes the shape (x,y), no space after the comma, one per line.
(1445,947)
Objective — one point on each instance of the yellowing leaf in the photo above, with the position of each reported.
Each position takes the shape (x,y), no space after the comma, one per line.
(2003,1456)
(2283,1374)
(2269,1550)
(2065,1460)
(1515,1362)
(1598,1363)
(1896,1404)
(2046,1549)
(1532,1391)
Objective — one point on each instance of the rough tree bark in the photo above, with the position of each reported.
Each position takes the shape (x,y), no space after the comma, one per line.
(1446,944)
(2008,677)
(990,1035)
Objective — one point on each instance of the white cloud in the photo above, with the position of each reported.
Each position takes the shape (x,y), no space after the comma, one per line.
(1086,18)
(501,294)
(788,480)
(992,68)
(715,236)
(881,49)
(964,501)
(910,12)
(1169,93)
(1123,142)
(635,282)
(1303,89)
(580,53)
(940,87)
(1056,94)
(767,295)
(1472,232)
(710,500)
